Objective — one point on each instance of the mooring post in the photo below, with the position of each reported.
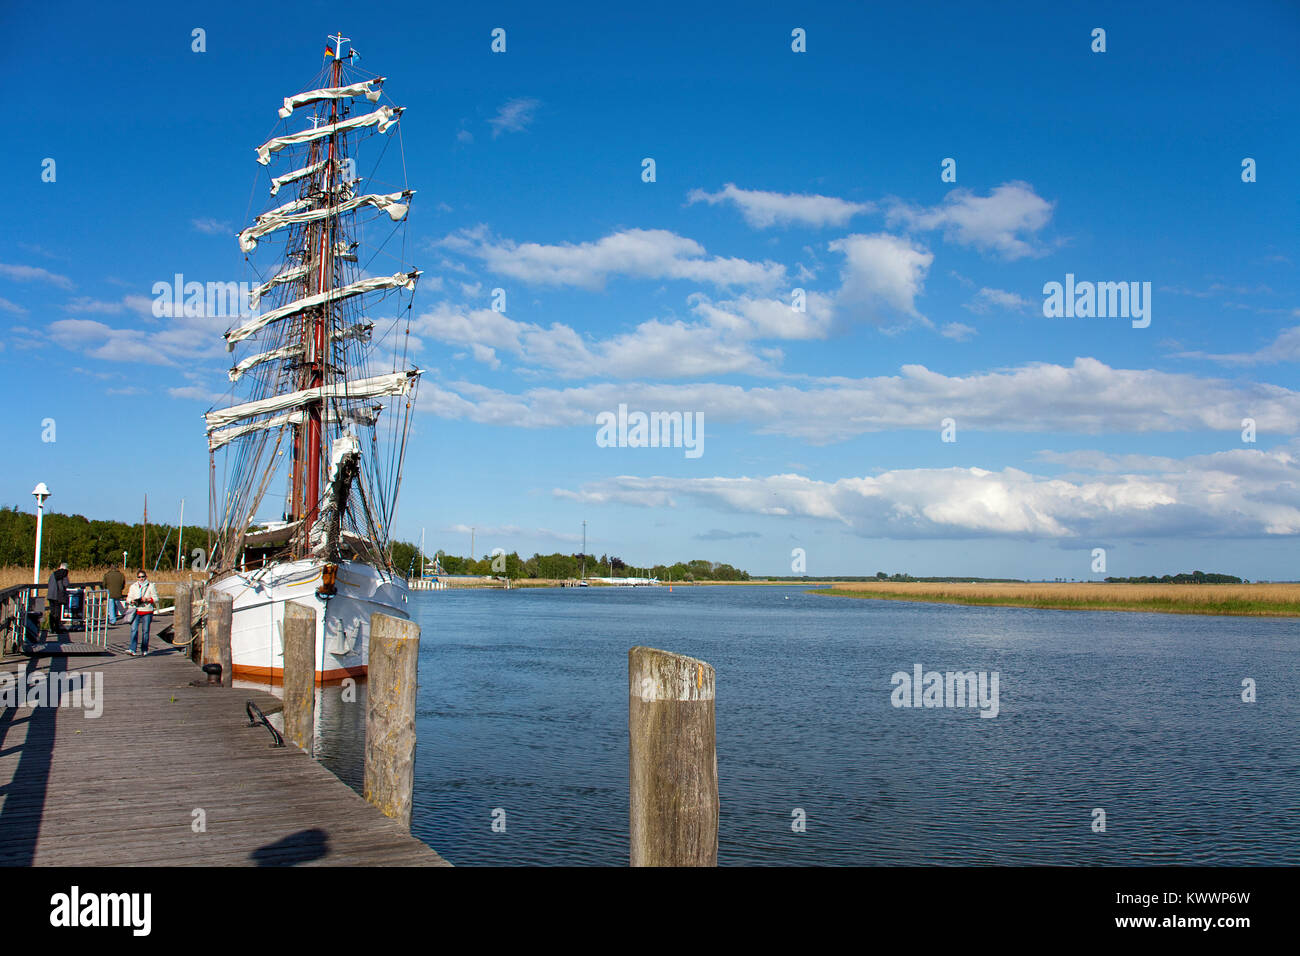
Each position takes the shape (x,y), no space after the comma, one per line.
(216,639)
(181,617)
(672,760)
(196,597)
(300,674)
(390,715)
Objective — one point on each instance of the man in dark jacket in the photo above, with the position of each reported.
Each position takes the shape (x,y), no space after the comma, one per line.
(56,597)
(114,582)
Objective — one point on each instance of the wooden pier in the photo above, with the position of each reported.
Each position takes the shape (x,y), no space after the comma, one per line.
(171,774)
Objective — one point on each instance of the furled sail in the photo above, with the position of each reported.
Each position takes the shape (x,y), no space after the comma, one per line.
(345,466)
(399,280)
(343,189)
(289,275)
(287,351)
(395,204)
(384,118)
(333,93)
(394,383)
(290,207)
(351,416)
(297,174)
(359,331)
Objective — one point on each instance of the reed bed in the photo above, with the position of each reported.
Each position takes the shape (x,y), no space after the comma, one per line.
(1260,600)
(11,576)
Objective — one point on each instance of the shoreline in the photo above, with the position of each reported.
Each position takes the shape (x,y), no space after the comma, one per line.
(1219,600)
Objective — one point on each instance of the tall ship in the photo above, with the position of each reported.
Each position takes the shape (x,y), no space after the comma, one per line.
(322,389)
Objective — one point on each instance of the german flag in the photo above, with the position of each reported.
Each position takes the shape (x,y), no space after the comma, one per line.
(329,51)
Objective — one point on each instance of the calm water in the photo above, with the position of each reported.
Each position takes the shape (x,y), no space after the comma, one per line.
(523,706)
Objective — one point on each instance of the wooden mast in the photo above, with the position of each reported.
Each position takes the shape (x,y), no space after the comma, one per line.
(317,333)
(308,438)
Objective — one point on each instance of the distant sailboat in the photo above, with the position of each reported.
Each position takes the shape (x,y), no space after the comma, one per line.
(318,416)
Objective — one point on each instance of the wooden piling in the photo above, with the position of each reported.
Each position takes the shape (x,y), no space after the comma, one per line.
(390,715)
(300,674)
(181,617)
(196,646)
(216,637)
(672,760)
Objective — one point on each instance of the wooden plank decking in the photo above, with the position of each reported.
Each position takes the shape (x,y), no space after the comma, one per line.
(121,789)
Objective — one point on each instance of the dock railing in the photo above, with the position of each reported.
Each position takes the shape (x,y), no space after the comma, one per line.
(18,603)
(15,603)
(94,615)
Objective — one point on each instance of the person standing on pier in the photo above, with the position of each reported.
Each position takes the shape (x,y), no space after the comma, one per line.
(114,582)
(56,597)
(143,598)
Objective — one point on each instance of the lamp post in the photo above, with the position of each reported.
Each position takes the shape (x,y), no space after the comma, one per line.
(40,492)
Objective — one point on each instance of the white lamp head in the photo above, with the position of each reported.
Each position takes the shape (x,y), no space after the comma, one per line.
(41,492)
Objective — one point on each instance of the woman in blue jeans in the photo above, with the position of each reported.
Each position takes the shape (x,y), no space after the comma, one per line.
(143,599)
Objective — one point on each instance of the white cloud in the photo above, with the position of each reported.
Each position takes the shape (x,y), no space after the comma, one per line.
(1217,289)
(957,331)
(1284,348)
(654,348)
(21,273)
(486,355)
(212,227)
(988,299)
(1004,222)
(1231,494)
(718,344)
(633,253)
(198,394)
(764,209)
(750,317)
(179,343)
(882,274)
(1087,397)
(83,304)
(13,307)
(1090,460)
(513,116)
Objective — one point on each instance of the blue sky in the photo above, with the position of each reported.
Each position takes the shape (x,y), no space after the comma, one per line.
(774,170)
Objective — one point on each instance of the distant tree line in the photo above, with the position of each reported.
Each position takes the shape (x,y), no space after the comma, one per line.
(84,544)
(406,557)
(1196,577)
(91,544)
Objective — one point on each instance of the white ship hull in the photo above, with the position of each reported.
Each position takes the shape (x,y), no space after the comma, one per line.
(342,619)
